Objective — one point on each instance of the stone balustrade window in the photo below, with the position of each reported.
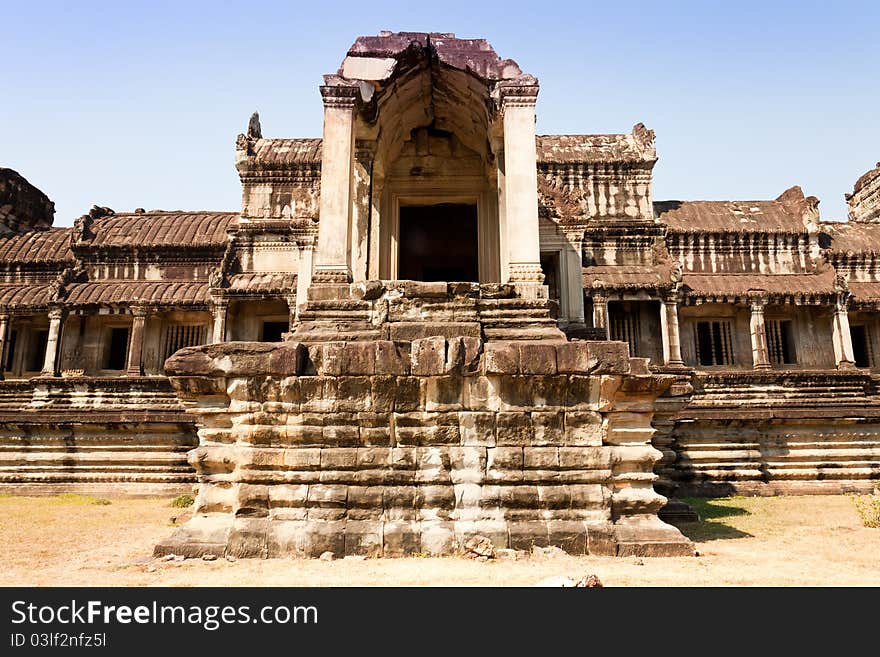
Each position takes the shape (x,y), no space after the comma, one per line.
(178,336)
(714,343)
(626,328)
(780,342)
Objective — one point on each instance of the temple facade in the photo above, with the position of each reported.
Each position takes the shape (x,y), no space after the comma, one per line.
(430,209)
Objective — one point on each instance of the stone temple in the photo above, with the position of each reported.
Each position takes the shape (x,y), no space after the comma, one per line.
(433,323)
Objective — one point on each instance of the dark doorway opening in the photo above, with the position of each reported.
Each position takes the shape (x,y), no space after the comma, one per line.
(274,331)
(117,349)
(438,243)
(861,345)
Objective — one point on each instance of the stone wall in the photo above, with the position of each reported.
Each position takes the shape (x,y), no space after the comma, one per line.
(772,433)
(387,448)
(96,436)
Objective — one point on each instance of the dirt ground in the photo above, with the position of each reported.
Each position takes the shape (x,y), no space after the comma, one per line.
(74,541)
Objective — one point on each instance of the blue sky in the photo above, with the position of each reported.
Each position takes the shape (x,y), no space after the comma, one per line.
(138,104)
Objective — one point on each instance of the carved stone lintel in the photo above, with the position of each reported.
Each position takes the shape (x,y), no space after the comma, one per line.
(526,273)
(327,275)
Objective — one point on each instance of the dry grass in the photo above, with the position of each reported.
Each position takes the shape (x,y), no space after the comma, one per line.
(72,540)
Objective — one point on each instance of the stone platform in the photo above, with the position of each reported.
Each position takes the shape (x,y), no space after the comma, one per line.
(389,448)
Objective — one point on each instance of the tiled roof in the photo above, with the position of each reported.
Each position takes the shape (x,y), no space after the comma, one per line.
(262,283)
(853,237)
(24,295)
(152,292)
(52,245)
(869,291)
(728,217)
(152,229)
(740,284)
(283,153)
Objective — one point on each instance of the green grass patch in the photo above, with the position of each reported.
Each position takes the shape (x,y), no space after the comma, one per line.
(76,498)
(182,501)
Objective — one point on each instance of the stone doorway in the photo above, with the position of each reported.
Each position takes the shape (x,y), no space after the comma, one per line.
(439,243)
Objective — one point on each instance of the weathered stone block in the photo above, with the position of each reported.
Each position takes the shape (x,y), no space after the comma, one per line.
(326,536)
(477,428)
(541,458)
(443,393)
(585,458)
(252,500)
(569,535)
(463,354)
(524,535)
(548,428)
(501,358)
(327,496)
(583,428)
(382,391)
(283,496)
(249,538)
(400,538)
(481,393)
(425,289)
(529,393)
(338,458)
(519,497)
(437,537)
(409,394)
(554,497)
(364,537)
(513,429)
(428,356)
(505,458)
(359,358)
(537,358)
(391,359)
(353,394)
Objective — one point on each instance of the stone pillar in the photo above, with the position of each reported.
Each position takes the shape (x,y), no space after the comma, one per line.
(760,357)
(521,188)
(134,366)
(337,169)
(670,333)
(4,330)
(841,337)
(361,208)
(574,283)
(600,313)
(304,274)
(50,364)
(219,310)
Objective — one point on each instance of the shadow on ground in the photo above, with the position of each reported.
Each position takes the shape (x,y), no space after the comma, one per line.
(712,512)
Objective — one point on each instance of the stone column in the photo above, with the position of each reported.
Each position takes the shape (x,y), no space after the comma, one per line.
(361,208)
(841,336)
(220,307)
(670,333)
(304,274)
(574,284)
(134,366)
(760,357)
(50,363)
(521,188)
(337,169)
(600,313)
(4,336)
